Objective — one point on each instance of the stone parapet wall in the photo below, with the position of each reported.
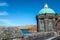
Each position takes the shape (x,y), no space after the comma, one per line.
(9,33)
(40,36)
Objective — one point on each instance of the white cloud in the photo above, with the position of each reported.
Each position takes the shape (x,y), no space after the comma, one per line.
(6,21)
(3,4)
(3,13)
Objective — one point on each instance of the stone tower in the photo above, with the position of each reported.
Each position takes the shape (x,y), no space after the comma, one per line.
(46,20)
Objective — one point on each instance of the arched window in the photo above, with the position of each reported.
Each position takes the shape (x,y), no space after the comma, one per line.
(42,25)
(50,25)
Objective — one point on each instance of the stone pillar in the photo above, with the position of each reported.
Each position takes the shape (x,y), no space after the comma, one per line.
(54,25)
(38,25)
(46,24)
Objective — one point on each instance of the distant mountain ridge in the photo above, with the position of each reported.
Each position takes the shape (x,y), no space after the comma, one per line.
(25,26)
(31,28)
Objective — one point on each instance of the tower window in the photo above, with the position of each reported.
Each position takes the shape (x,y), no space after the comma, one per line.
(42,25)
(50,25)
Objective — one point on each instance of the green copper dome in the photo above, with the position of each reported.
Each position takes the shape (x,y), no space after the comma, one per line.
(46,10)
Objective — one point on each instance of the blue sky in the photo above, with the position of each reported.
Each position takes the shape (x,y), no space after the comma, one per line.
(22,12)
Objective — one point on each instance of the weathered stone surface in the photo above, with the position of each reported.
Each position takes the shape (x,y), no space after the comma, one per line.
(39,36)
(10,33)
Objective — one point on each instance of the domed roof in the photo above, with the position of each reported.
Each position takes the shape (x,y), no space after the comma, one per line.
(46,10)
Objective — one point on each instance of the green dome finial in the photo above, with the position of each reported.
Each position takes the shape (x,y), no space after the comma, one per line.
(46,10)
(45,6)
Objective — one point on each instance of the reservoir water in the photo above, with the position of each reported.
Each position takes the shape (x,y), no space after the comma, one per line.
(25,31)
